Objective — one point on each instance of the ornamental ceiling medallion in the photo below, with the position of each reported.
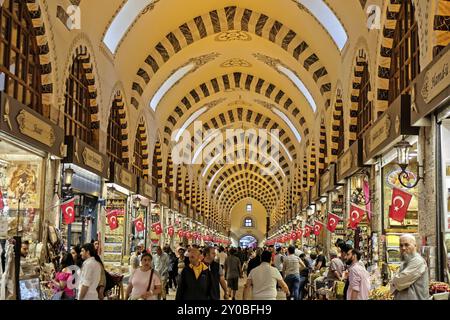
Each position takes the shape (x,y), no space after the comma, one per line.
(236,62)
(233,35)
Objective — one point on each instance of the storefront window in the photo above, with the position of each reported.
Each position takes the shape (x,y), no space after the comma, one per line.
(20,191)
(20,75)
(445,151)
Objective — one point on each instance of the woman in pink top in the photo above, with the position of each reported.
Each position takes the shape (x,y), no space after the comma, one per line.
(138,285)
(62,279)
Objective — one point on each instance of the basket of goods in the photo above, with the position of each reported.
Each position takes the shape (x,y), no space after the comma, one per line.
(381,293)
(438,287)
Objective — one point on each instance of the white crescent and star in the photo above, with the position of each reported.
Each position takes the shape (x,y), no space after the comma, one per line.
(402,203)
(353,216)
(69,211)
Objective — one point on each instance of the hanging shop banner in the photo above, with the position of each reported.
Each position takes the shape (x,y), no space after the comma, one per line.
(432,87)
(356,216)
(146,189)
(388,129)
(307,231)
(68,210)
(328,179)
(293,235)
(191,213)
(27,125)
(170,231)
(83,155)
(399,205)
(350,161)
(333,221)
(139,225)
(318,226)
(163,198)
(111,215)
(123,177)
(185,209)
(305,200)
(156,228)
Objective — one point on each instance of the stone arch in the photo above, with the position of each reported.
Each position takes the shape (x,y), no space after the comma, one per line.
(441,26)
(337,127)
(157,165)
(119,101)
(142,136)
(229,19)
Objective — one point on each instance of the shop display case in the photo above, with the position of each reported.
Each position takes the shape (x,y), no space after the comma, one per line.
(114,239)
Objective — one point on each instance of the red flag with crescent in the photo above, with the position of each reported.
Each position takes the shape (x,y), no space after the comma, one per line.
(293,235)
(333,221)
(400,204)
(188,235)
(317,227)
(113,223)
(170,231)
(139,225)
(356,216)
(307,232)
(156,227)
(180,233)
(299,233)
(68,210)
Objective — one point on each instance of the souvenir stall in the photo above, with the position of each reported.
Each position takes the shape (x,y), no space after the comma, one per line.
(29,146)
(327,186)
(432,108)
(118,217)
(383,146)
(173,220)
(147,196)
(313,211)
(158,215)
(180,225)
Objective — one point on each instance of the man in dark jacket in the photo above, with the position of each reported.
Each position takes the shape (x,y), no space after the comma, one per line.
(254,262)
(216,273)
(195,281)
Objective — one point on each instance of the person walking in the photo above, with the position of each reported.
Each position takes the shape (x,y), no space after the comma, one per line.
(161,263)
(358,277)
(233,271)
(222,256)
(135,259)
(278,260)
(255,261)
(195,279)
(144,283)
(304,275)
(412,280)
(291,270)
(173,270)
(264,279)
(216,272)
(62,288)
(321,261)
(90,274)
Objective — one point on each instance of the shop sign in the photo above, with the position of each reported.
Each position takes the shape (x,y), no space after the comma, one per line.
(185,209)
(379,132)
(147,189)
(175,204)
(83,155)
(164,199)
(315,192)
(345,163)
(432,87)
(350,161)
(305,200)
(436,79)
(327,180)
(191,213)
(92,159)
(26,124)
(123,177)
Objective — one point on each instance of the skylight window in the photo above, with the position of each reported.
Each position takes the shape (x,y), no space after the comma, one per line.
(296,80)
(320,10)
(188,122)
(122,22)
(289,123)
(169,83)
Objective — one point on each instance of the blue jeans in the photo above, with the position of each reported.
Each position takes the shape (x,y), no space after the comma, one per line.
(293,283)
(302,284)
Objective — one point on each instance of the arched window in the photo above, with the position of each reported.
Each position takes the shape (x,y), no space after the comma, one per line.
(114,141)
(364,105)
(77,114)
(248,222)
(405,52)
(20,75)
(138,163)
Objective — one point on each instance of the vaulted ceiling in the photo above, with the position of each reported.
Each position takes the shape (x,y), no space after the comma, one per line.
(230,64)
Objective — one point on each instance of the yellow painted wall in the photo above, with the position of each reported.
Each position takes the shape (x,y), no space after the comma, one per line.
(238,213)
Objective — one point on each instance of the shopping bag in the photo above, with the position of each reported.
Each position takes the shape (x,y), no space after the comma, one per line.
(340,285)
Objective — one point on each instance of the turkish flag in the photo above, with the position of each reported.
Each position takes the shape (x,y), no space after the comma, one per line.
(299,234)
(293,235)
(180,233)
(139,225)
(68,210)
(317,227)
(356,216)
(333,221)
(188,235)
(307,232)
(112,219)
(400,204)
(2,204)
(156,227)
(170,231)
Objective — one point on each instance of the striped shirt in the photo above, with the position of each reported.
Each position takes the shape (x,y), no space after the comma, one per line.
(291,265)
(359,281)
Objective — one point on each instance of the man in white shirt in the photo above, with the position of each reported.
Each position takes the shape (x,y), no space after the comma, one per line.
(90,274)
(222,256)
(161,263)
(264,279)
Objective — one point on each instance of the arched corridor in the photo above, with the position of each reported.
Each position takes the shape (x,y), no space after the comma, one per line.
(243,124)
